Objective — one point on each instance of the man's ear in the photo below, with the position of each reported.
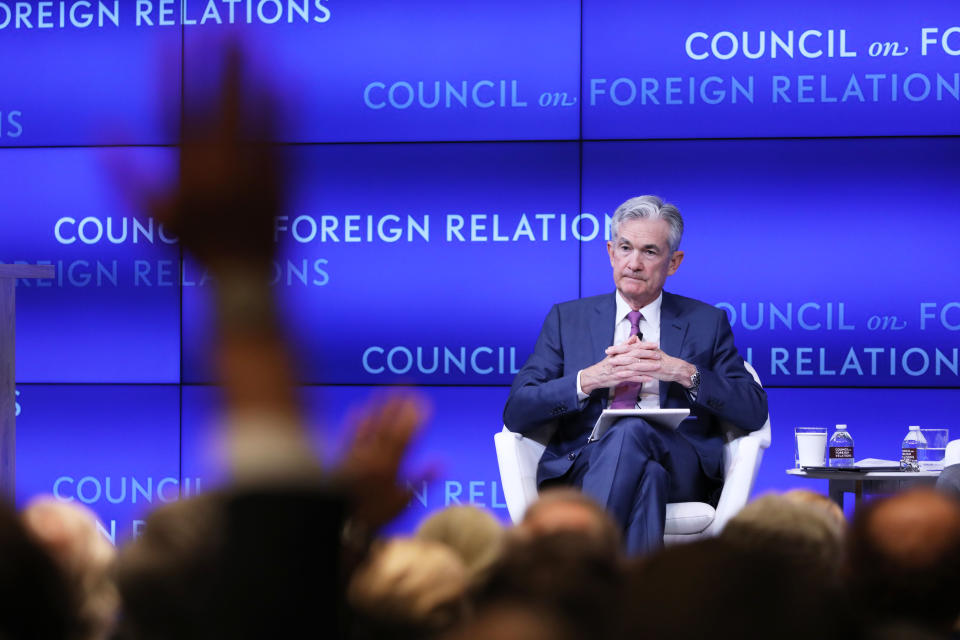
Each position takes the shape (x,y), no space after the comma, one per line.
(610,251)
(675,259)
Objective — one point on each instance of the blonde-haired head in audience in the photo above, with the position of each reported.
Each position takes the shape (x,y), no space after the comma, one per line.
(69,533)
(472,533)
(408,583)
(791,525)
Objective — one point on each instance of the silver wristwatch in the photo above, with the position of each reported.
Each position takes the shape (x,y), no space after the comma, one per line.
(694,380)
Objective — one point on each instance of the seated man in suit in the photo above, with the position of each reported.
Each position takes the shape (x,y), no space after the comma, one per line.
(636,347)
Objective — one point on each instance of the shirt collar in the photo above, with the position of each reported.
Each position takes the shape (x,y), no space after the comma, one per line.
(651,312)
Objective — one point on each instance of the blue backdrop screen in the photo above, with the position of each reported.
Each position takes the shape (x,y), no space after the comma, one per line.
(454,167)
(82,73)
(419,70)
(756,68)
(809,246)
(112,448)
(440,471)
(427,273)
(111,314)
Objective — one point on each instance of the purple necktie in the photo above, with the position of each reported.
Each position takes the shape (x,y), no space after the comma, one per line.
(626,393)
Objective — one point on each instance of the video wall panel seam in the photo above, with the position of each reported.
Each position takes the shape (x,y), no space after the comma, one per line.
(361,143)
(440,385)
(580,153)
(180,278)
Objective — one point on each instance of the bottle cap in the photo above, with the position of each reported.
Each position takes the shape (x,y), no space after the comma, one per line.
(841,427)
(914,427)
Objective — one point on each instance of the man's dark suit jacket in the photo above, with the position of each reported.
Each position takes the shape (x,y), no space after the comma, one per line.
(575,335)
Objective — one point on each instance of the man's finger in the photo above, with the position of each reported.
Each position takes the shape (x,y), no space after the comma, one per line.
(634,347)
(627,375)
(639,361)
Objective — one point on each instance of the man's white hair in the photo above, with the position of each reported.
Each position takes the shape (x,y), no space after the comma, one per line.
(652,208)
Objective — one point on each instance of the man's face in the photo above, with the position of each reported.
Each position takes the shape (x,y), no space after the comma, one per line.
(641,259)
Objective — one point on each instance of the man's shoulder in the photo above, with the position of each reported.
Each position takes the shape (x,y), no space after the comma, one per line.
(581,305)
(684,305)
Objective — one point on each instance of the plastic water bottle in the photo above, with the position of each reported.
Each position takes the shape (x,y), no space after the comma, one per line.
(913,449)
(840,447)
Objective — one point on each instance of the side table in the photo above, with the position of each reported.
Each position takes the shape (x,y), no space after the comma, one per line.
(866,482)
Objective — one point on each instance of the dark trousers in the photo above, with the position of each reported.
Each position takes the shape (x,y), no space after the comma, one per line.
(634,470)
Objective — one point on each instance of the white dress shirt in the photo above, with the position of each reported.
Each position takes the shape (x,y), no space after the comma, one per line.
(650,330)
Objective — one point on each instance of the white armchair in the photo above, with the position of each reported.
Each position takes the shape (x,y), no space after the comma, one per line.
(518,456)
(950,456)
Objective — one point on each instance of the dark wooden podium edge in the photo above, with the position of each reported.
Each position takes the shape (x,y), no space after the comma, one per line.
(9,273)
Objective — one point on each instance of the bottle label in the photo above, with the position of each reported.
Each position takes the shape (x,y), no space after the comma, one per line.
(841,452)
(908,454)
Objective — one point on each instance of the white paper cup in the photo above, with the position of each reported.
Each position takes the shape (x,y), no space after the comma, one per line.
(811,446)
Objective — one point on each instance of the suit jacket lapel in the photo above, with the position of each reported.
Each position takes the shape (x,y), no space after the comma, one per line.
(601,327)
(673,328)
(601,331)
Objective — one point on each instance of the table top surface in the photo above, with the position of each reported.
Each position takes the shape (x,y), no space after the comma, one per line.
(837,474)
